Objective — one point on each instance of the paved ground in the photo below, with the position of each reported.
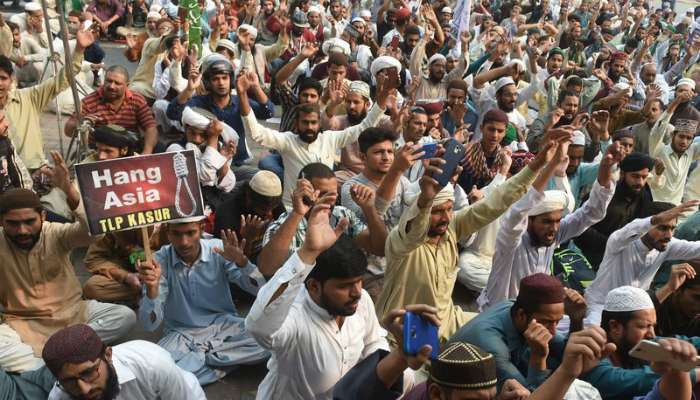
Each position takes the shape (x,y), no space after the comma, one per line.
(240,384)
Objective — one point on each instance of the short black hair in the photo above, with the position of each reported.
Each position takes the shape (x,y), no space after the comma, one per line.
(316,170)
(307,108)
(371,136)
(6,65)
(119,69)
(412,30)
(343,260)
(528,308)
(564,94)
(622,317)
(336,58)
(12,25)
(659,207)
(459,84)
(310,83)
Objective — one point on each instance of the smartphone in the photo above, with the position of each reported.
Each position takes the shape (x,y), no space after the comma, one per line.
(651,351)
(584,120)
(417,332)
(395,42)
(454,152)
(430,149)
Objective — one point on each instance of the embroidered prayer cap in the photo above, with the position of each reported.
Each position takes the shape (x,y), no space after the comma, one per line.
(636,161)
(75,344)
(266,183)
(578,139)
(361,88)
(540,289)
(15,199)
(627,299)
(464,366)
(686,125)
(554,51)
(403,14)
(226,44)
(618,54)
(384,62)
(623,133)
(554,200)
(503,82)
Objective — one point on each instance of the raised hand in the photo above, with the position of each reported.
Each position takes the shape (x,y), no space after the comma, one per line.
(577,123)
(253,227)
(309,50)
(584,351)
(474,195)
(681,349)
(243,83)
(4,124)
(59,174)
(659,167)
(233,249)
(538,337)
(506,156)
(679,274)
(132,280)
(228,150)
(599,122)
(363,196)
(668,216)
(303,197)
(600,74)
(574,305)
(513,390)
(84,39)
(194,79)
(214,129)
(406,156)
(653,91)
(320,235)
(393,322)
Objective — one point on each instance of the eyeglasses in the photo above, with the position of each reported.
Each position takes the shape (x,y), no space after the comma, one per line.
(88,376)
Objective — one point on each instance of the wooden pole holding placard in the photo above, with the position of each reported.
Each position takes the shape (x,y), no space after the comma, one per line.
(146,243)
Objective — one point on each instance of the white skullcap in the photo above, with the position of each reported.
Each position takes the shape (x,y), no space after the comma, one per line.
(29,7)
(627,299)
(520,63)
(266,183)
(155,8)
(153,14)
(336,44)
(365,14)
(384,62)
(436,57)
(227,44)
(504,81)
(360,87)
(315,9)
(357,19)
(686,81)
(554,200)
(248,28)
(194,119)
(579,139)
(622,86)
(446,9)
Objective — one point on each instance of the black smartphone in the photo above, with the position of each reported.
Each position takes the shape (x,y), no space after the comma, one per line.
(454,152)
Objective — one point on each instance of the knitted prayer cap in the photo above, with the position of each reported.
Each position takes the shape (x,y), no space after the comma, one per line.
(72,345)
(626,299)
(685,125)
(14,199)
(464,366)
(636,161)
(623,133)
(540,289)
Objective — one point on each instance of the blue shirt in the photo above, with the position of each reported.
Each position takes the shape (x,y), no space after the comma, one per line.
(585,175)
(194,297)
(231,115)
(493,331)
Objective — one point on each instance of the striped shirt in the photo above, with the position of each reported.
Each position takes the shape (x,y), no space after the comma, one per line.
(133,114)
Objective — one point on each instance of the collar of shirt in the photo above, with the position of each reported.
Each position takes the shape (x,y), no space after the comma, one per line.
(124,373)
(204,254)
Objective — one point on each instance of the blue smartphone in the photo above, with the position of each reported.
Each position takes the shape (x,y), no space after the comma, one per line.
(417,332)
(454,152)
(430,149)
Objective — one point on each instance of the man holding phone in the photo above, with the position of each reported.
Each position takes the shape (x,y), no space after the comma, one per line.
(422,250)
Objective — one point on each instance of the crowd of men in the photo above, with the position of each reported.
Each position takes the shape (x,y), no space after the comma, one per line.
(319,130)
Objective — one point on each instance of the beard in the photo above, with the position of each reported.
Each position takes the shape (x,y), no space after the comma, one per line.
(356,119)
(436,78)
(626,360)
(438,230)
(345,310)
(112,388)
(308,136)
(24,242)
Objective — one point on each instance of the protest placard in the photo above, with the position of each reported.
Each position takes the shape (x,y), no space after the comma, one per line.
(133,192)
